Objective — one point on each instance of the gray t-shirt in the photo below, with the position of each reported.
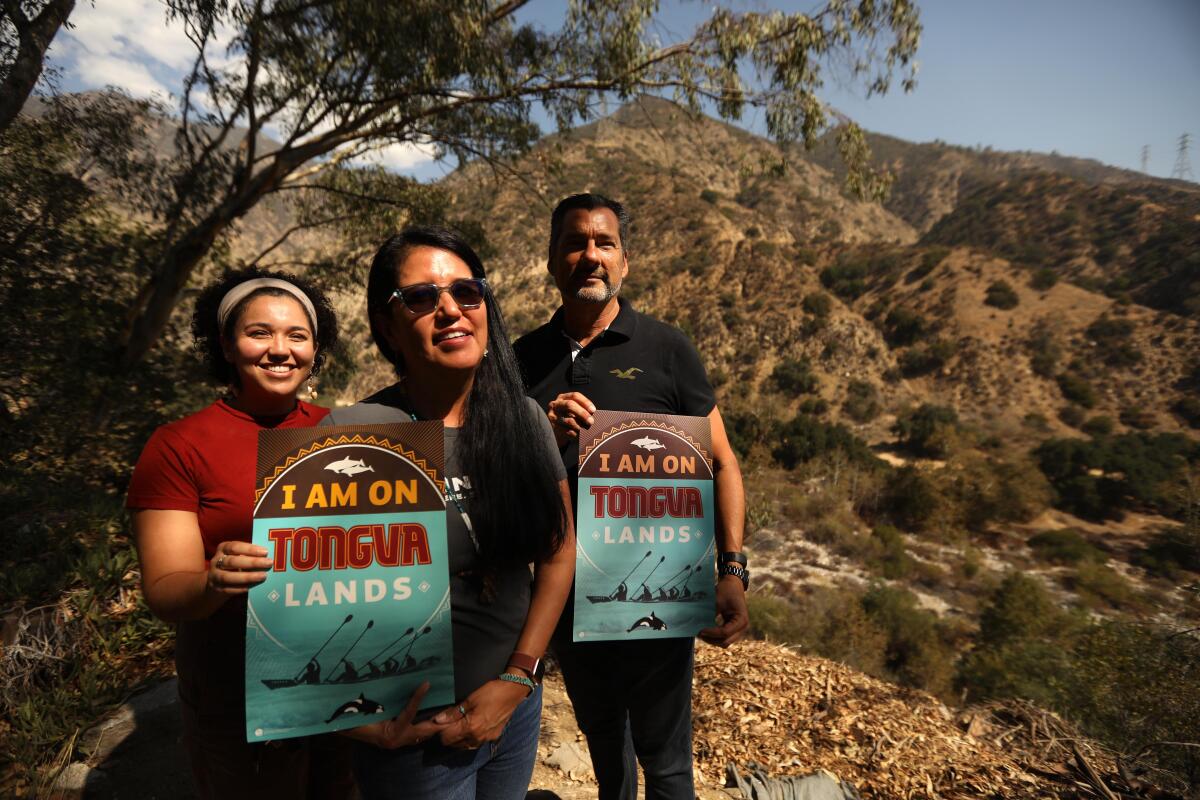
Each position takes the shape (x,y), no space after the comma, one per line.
(485,629)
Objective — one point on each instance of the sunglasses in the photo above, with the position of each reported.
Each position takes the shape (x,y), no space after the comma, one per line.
(422,298)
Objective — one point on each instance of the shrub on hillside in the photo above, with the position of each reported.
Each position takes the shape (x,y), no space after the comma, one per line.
(794,376)
(1063,546)
(930,259)
(818,304)
(989,490)
(709,196)
(1044,351)
(1075,388)
(1188,408)
(903,326)
(910,499)
(1172,550)
(1001,295)
(1072,415)
(1114,341)
(1101,478)
(917,652)
(806,438)
(813,405)
(862,401)
(890,558)
(926,357)
(1098,426)
(1100,586)
(1043,278)
(1140,418)
(827,622)
(928,430)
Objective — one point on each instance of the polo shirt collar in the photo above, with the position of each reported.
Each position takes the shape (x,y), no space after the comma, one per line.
(624,324)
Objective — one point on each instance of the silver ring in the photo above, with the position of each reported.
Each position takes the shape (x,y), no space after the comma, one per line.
(462,711)
(221,561)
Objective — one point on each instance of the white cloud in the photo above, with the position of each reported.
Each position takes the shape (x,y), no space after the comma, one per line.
(133,77)
(127,43)
(403,157)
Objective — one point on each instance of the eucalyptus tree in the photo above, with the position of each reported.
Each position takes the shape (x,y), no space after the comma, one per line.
(331,80)
(26,29)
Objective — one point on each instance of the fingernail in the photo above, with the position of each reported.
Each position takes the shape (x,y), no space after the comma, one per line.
(442,718)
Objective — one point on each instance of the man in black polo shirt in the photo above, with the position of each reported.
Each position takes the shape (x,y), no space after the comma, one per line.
(631,698)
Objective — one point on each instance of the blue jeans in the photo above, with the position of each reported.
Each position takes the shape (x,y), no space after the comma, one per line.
(633,700)
(499,770)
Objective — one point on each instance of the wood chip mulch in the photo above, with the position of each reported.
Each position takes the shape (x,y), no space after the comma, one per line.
(794,715)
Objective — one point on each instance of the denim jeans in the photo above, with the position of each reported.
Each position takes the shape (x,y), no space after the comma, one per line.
(499,770)
(633,702)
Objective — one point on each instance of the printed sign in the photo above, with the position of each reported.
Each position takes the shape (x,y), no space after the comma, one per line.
(645,525)
(355,612)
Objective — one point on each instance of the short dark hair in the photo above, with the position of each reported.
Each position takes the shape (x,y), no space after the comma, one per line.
(518,512)
(207,333)
(588,201)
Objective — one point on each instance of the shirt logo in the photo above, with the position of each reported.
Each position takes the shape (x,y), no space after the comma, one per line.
(626,374)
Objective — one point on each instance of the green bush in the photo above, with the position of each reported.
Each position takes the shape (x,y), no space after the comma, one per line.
(813,405)
(917,653)
(1063,546)
(928,430)
(794,376)
(926,357)
(1188,408)
(1044,351)
(1135,470)
(1002,296)
(1171,550)
(891,559)
(1114,341)
(827,622)
(806,438)
(1098,426)
(1043,278)
(903,326)
(818,304)
(1075,388)
(709,196)
(1139,418)
(862,401)
(910,499)
(1071,415)
(1099,586)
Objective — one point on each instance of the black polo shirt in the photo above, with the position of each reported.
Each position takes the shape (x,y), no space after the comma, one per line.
(637,364)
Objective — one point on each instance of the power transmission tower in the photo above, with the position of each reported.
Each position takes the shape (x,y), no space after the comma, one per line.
(1183,165)
(1145,158)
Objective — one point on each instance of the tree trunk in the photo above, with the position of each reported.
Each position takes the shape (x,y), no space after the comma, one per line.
(34,37)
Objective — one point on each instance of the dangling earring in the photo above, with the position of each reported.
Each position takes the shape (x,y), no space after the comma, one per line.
(312,389)
(485,352)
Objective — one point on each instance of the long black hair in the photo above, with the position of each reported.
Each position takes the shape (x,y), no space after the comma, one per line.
(207,332)
(517,511)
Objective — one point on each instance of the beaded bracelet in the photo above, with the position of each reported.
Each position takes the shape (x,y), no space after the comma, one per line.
(521,679)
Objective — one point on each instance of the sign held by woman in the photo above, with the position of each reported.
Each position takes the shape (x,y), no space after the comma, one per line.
(645,522)
(355,612)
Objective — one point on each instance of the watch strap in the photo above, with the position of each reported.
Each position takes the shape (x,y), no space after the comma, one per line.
(732,558)
(737,571)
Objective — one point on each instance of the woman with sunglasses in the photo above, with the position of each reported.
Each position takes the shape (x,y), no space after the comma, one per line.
(263,336)
(433,316)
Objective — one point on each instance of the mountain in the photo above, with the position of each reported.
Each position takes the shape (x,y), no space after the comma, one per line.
(737,241)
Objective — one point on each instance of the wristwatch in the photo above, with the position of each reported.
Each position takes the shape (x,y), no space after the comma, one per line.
(734,564)
(527,664)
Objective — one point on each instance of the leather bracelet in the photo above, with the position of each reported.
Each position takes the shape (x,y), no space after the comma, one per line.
(527,664)
(731,557)
(737,571)
(521,679)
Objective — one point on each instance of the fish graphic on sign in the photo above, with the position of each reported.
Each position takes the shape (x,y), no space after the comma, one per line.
(646,443)
(349,466)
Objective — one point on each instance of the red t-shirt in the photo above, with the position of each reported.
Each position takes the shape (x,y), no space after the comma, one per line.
(205,463)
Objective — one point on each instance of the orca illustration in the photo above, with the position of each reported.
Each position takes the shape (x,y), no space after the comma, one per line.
(652,622)
(360,706)
(646,443)
(349,466)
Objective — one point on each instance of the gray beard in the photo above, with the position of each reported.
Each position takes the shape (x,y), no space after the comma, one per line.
(589,294)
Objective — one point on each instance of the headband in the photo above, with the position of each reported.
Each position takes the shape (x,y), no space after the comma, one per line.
(242,290)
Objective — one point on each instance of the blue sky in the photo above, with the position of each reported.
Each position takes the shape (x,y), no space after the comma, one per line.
(1090,78)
